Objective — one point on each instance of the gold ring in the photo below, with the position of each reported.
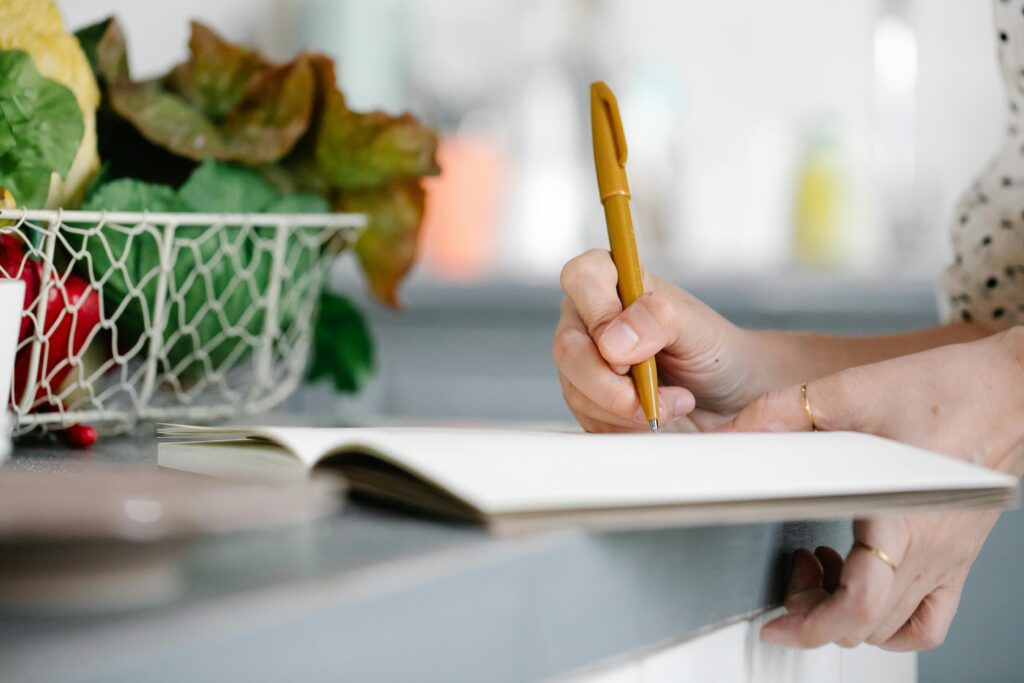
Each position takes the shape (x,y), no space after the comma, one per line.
(877,552)
(807,408)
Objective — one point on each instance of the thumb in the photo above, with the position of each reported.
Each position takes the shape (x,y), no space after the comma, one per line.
(833,403)
(648,325)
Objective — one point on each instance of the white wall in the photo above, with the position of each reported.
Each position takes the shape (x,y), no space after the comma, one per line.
(158,32)
(718,97)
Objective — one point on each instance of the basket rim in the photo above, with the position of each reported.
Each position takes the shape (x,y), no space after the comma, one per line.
(327,220)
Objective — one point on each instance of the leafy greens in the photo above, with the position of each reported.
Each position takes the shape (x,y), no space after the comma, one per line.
(41,128)
(289,123)
(227,131)
(218,276)
(342,346)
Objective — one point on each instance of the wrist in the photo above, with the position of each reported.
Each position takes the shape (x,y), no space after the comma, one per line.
(773,359)
(784,358)
(1011,376)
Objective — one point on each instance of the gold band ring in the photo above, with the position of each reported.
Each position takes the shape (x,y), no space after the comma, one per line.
(807,408)
(877,552)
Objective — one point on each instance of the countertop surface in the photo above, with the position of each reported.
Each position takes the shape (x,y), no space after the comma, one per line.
(369,591)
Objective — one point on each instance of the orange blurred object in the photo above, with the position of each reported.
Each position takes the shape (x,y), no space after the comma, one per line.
(461,220)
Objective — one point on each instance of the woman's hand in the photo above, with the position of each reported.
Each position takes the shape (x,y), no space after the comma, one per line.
(709,369)
(703,360)
(965,400)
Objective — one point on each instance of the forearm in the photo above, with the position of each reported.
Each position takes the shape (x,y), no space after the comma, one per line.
(796,357)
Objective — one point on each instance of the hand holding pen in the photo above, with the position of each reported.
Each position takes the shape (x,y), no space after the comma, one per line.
(606,328)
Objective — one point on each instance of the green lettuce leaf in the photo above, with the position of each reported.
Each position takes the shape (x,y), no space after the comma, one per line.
(211,307)
(40,129)
(219,187)
(301,202)
(25,178)
(125,266)
(126,194)
(216,304)
(342,345)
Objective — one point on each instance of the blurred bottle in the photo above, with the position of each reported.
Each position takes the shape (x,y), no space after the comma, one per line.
(550,185)
(820,199)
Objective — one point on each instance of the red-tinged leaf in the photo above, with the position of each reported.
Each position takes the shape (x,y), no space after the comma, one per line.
(123,149)
(112,55)
(105,48)
(356,150)
(225,103)
(216,76)
(293,126)
(273,114)
(387,249)
(299,171)
(167,120)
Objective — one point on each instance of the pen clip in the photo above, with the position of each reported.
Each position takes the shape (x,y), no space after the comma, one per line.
(602,92)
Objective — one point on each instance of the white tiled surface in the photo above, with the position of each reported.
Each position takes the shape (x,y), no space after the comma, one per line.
(872,665)
(630,673)
(717,656)
(776,664)
(735,654)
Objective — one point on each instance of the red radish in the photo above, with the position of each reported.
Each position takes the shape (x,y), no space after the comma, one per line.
(80,436)
(72,313)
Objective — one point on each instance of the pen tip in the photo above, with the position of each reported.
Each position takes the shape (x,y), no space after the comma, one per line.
(654,426)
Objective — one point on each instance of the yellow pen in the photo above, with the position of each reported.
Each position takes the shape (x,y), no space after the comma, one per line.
(610,160)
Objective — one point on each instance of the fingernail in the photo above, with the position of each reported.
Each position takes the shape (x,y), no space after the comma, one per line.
(619,338)
(776,631)
(680,406)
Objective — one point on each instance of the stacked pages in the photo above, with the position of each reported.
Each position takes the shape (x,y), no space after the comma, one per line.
(514,481)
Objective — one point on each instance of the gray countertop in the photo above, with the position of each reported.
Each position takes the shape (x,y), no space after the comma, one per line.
(371,594)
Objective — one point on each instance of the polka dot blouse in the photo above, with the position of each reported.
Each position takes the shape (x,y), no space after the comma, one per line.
(985,283)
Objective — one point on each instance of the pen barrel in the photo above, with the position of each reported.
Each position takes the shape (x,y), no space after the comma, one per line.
(645,377)
(623,243)
(631,288)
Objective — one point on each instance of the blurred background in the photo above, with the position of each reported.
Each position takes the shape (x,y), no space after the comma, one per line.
(794,164)
(826,135)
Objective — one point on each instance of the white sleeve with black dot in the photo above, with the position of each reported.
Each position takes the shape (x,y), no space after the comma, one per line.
(985,282)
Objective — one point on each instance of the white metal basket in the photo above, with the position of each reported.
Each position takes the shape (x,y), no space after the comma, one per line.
(200,316)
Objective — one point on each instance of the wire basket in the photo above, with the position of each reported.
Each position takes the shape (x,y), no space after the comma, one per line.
(163,316)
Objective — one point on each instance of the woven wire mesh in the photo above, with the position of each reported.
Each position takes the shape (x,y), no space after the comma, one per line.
(146,316)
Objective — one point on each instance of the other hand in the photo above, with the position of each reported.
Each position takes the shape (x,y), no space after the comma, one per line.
(964,400)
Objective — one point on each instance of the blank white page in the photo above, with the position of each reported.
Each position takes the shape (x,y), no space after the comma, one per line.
(509,471)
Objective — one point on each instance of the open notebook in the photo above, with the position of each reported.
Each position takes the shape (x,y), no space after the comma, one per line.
(516,480)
